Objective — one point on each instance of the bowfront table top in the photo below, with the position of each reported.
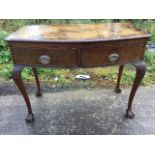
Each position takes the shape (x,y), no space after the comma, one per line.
(77,33)
(79,45)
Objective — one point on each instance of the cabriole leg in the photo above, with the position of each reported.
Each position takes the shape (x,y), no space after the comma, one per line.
(38,93)
(17,69)
(140,72)
(117,89)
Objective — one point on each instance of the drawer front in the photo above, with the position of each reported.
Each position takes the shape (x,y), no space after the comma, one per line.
(111,55)
(46,57)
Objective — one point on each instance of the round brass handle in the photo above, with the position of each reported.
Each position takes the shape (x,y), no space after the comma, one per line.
(113,57)
(44,59)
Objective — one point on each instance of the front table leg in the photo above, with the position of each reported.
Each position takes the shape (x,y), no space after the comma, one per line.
(140,72)
(17,69)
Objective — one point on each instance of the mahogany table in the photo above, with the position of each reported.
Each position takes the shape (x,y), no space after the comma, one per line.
(79,45)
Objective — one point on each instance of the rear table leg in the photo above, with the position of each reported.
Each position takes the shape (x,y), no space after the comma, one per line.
(117,89)
(38,93)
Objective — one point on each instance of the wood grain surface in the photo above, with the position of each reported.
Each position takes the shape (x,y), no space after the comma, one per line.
(77,32)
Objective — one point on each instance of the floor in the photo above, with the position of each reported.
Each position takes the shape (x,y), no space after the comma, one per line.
(88,111)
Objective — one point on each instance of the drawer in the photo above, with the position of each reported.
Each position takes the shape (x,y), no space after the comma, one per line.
(47,57)
(111,55)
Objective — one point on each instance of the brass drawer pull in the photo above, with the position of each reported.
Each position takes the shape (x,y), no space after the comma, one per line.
(113,57)
(44,59)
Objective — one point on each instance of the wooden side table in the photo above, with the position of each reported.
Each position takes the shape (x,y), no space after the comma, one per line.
(80,45)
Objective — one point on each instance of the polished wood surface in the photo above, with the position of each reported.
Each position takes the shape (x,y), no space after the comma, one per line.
(78,54)
(77,32)
(84,45)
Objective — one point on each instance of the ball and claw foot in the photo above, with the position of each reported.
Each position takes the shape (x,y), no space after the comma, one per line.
(118,90)
(30,118)
(129,114)
(38,94)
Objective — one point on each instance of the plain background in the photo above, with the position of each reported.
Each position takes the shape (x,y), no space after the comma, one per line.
(77,9)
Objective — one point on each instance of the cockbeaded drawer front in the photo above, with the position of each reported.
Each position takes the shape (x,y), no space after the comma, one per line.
(112,54)
(45,56)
